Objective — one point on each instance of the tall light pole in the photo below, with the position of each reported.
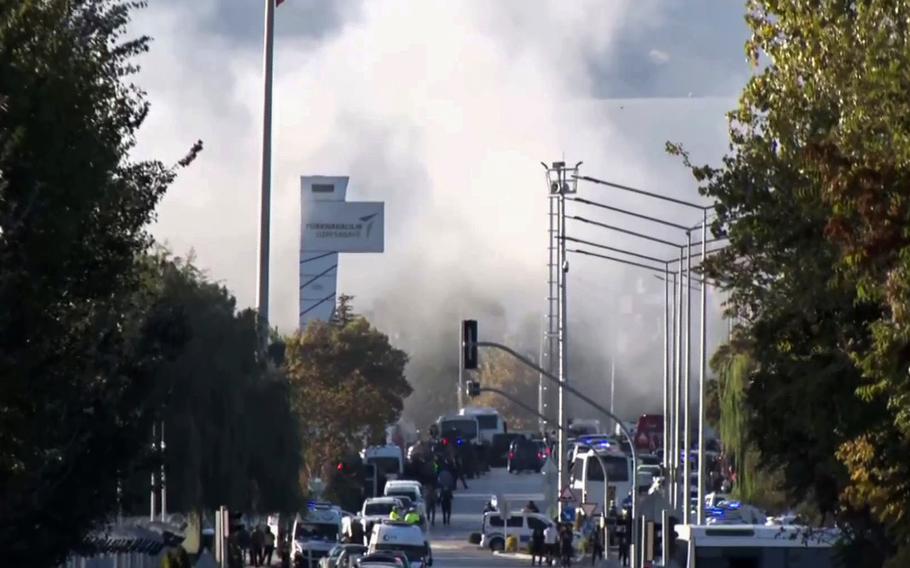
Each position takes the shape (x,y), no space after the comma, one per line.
(702,340)
(560,186)
(687,442)
(265,192)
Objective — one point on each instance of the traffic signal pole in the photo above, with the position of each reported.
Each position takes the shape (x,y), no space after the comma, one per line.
(583,397)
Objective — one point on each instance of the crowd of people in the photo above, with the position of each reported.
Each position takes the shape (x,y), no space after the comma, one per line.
(257,545)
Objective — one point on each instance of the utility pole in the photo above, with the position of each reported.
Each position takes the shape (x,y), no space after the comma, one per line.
(161,455)
(154,483)
(677,382)
(560,184)
(702,340)
(265,191)
(613,383)
(687,442)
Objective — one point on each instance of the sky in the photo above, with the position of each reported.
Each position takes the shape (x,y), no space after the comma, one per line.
(444,110)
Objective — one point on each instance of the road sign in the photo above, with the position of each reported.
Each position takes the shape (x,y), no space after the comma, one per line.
(567,496)
(590,509)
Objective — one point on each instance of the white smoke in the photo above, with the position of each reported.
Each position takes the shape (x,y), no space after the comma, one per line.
(444,111)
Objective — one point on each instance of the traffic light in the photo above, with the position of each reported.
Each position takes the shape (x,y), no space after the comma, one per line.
(473,389)
(469,344)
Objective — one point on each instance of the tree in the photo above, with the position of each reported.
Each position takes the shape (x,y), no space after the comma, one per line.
(812,197)
(234,438)
(347,385)
(500,370)
(80,339)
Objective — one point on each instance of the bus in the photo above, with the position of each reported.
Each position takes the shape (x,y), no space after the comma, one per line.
(489,422)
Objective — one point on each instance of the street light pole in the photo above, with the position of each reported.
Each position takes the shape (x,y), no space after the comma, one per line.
(701,376)
(666,389)
(677,381)
(687,442)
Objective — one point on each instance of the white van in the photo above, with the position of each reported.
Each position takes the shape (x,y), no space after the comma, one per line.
(519,524)
(760,546)
(315,532)
(413,490)
(588,476)
(489,422)
(409,539)
(388,460)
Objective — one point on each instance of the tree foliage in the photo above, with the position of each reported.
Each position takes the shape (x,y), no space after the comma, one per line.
(347,385)
(81,336)
(232,438)
(501,371)
(814,201)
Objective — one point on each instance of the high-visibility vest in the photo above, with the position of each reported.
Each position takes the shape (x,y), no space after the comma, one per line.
(395,515)
(412,518)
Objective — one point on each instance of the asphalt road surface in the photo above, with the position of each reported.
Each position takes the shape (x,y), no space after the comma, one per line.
(450,544)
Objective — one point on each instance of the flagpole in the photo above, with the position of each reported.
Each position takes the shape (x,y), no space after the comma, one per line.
(266,168)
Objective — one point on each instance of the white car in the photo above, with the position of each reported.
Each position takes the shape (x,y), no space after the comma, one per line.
(392,536)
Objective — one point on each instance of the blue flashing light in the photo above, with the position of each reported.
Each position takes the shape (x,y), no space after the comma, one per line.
(733,505)
(460,442)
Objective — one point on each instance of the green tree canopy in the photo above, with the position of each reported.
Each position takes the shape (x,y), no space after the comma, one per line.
(232,438)
(813,199)
(80,340)
(347,385)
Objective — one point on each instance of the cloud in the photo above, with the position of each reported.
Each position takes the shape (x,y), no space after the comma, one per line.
(443,110)
(658,57)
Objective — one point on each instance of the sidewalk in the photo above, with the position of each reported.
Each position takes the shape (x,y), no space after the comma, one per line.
(577,561)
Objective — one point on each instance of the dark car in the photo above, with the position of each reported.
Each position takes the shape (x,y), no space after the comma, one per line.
(525,455)
(499,448)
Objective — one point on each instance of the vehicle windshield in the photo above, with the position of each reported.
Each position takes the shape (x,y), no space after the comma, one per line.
(403,492)
(316,531)
(375,509)
(617,469)
(412,551)
(464,427)
(488,421)
(385,465)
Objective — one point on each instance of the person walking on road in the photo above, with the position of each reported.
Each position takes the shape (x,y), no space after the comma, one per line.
(445,500)
(538,548)
(531,507)
(268,546)
(565,545)
(624,534)
(430,501)
(256,542)
(597,544)
(550,535)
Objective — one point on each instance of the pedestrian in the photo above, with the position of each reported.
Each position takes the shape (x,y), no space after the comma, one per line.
(445,479)
(565,545)
(550,535)
(412,517)
(623,533)
(597,543)
(395,513)
(538,548)
(256,543)
(445,500)
(531,507)
(430,501)
(269,546)
(459,473)
(243,543)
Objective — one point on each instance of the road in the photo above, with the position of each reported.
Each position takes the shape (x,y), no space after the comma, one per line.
(450,544)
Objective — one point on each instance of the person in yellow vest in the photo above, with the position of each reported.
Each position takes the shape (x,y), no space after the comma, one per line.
(412,517)
(395,515)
